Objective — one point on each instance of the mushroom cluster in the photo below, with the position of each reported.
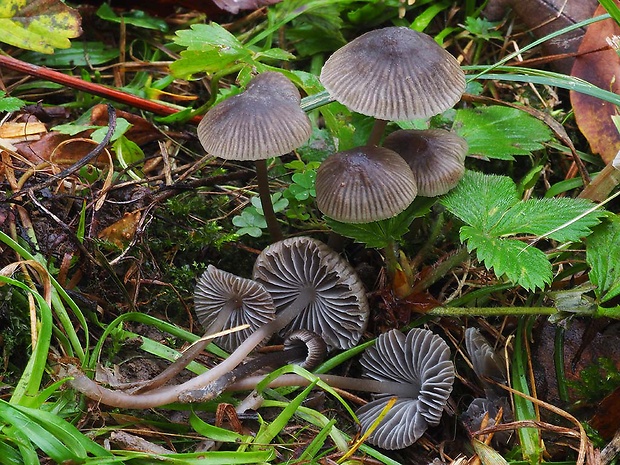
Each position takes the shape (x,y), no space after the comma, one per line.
(391,74)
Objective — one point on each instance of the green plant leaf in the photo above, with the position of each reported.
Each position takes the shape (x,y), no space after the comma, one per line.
(603,256)
(79,54)
(480,200)
(540,216)
(38,25)
(521,264)
(500,132)
(210,48)
(380,234)
(493,212)
(135,18)
(10,103)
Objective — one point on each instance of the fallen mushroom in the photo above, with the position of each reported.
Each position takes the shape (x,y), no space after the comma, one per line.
(436,158)
(223,300)
(326,277)
(364,184)
(416,368)
(393,74)
(264,121)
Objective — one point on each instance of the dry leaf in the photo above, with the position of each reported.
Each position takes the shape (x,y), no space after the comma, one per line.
(123,231)
(600,68)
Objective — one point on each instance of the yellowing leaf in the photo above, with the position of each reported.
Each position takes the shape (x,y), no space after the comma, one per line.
(38,25)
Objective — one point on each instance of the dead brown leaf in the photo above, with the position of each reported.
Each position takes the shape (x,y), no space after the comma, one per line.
(600,68)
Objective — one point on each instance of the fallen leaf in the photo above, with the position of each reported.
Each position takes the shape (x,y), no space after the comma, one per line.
(593,116)
(38,25)
(140,132)
(122,232)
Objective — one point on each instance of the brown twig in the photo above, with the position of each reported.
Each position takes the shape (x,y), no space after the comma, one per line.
(89,87)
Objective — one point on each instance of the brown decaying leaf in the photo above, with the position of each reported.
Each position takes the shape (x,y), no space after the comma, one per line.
(601,68)
(141,131)
(121,232)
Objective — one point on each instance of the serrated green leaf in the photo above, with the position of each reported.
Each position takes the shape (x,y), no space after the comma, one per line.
(39,25)
(380,234)
(10,103)
(500,132)
(603,256)
(540,216)
(210,48)
(136,18)
(480,199)
(522,265)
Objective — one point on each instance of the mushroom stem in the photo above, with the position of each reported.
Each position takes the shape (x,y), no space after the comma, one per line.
(341,382)
(265,200)
(169,394)
(378,128)
(301,347)
(186,357)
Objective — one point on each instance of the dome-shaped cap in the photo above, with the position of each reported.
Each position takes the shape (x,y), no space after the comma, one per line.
(223,301)
(421,360)
(436,157)
(364,184)
(262,122)
(339,310)
(394,74)
(485,361)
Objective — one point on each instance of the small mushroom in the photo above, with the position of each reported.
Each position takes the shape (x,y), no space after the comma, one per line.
(436,158)
(486,362)
(364,184)
(393,74)
(223,300)
(416,368)
(302,269)
(264,121)
(420,360)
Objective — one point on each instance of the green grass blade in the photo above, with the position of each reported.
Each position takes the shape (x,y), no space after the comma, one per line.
(316,444)
(612,9)
(10,455)
(524,409)
(266,435)
(213,432)
(30,380)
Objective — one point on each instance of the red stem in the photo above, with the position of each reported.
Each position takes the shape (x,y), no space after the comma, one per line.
(89,87)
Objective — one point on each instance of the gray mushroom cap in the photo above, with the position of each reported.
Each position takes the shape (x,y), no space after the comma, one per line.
(394,74)
(339,310)
(485,361)
(436,157)
(223,300)
(421,360)
(364,184)
(262,122)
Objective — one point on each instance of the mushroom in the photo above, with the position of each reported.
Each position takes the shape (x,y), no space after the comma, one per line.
(416,368)
(364,184)
(264,121)
(303,269)
(327,283)
(393,74)
(436,158)
(223,300)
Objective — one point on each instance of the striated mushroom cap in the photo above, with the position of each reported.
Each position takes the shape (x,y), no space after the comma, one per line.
(339,310)
(394,74)
(421,360)
(223,300)
(262,122)
(436,157)
(364,184)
